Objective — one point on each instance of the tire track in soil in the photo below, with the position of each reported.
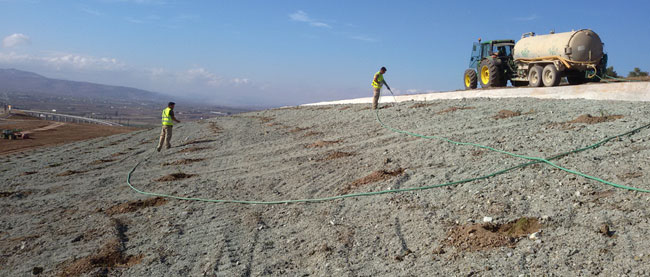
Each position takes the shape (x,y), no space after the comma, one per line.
(230,258)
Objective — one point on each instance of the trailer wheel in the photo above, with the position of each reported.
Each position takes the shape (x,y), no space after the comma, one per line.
(550,76)
(489,73)
(470,79)
(535,76)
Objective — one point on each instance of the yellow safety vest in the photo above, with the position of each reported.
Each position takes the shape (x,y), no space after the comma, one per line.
(380,80)
(166,118)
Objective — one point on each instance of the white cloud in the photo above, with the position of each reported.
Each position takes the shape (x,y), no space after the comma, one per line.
(302,16)
(15,40)
(63,61)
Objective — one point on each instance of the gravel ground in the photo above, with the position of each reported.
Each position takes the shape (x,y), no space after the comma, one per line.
(67,210)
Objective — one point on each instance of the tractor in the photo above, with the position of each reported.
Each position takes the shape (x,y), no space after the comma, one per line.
(537,61)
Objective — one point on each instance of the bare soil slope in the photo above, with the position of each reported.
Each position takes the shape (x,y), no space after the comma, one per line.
(44,133)
(67,210)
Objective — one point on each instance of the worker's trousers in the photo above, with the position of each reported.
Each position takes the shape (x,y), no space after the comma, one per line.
(165,137)
(375,97)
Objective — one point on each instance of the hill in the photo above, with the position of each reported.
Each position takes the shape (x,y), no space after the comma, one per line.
(28,90)
(13,80)
(68,211)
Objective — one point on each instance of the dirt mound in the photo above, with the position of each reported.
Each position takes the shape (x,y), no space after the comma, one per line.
(135,205)
(183,162)
(589,119)
(101,161)
(69,172)
(263,119)
(109,256)
(377,176)
(312,133)
(477,237)
(18,194)
(174,177)
(215,129)
(502,114)
(323,143)
(453,109)
(193,149)
(421,105)
(198,141)
(336,155)
(297,129)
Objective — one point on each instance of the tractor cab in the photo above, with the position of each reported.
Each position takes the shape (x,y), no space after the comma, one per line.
(500,49)
(489,63)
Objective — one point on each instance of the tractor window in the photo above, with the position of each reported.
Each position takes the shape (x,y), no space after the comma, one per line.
(502,50)
(473,61)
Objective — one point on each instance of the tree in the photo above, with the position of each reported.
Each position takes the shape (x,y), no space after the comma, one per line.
(637,73)
(611,72)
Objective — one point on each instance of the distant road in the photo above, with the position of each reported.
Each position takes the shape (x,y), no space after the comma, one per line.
(67,118)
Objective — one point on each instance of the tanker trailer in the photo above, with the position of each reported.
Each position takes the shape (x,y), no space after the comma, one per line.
(537,60)
(545,59)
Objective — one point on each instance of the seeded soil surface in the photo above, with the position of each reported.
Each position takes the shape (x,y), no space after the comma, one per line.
(68,211)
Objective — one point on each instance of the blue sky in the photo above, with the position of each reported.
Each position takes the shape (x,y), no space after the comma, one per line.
(272,53)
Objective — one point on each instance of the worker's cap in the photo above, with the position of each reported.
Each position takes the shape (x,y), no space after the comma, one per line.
(383,68)
(171,104)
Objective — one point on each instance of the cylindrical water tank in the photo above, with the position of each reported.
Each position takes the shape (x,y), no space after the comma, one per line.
(580,46)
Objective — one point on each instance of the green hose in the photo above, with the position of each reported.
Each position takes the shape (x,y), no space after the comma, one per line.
(533,160)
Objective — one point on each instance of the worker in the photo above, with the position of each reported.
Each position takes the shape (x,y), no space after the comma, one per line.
(377,82)
(168,120)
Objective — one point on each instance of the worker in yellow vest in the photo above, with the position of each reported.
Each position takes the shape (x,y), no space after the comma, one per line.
(168,120)
(377,82)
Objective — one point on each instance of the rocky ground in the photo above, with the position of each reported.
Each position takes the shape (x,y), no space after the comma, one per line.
(68,211)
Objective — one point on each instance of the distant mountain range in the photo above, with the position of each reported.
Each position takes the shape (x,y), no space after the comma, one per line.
(18,81)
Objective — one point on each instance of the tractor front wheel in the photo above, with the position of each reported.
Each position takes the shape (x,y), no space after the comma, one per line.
(490,75)
(470,79)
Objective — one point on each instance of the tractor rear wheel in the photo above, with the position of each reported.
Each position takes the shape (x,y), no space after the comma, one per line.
(470,79)
(550,76)
(535,76)
(489,74)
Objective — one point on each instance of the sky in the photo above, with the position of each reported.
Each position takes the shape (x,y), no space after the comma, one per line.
(276,53)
